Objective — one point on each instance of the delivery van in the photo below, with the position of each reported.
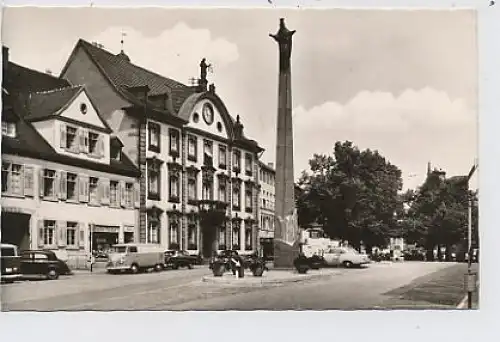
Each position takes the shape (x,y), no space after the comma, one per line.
(134,257)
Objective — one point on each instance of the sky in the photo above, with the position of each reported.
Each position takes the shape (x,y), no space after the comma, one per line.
(403,82)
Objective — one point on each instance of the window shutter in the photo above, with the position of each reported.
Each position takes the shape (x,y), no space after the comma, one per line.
(61,233)
(100,189)
(81,237)
(137,195)
(29,181)
(40,233)
(63,135)
(57,182)
(83,188)
(63,192)
(40,183)
(123,194)
(104,185)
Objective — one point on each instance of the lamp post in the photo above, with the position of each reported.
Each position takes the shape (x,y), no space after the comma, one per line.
(471,276)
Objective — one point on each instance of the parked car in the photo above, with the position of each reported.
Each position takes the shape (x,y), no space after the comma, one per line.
(345,256)
(42,264)
(225,255)
(414,255)
(177,259)
(134,258)
(10,262)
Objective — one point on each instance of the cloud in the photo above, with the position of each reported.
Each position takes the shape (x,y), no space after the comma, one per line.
(175,53)
(410,129)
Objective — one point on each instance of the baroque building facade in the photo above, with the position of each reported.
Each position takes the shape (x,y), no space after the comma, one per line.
(66,185)
(198,188)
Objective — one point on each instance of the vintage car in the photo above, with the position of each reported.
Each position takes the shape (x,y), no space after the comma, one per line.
(42,264)
(10,263)
(344,256)
(134,257)
(175,259)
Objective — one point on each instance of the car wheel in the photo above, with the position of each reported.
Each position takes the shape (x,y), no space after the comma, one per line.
(347,264)
(175,267)
(134,269)
(189,266)
(52,274)
(158,267)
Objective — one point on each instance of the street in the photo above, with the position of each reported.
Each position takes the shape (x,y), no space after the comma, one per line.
(378,286)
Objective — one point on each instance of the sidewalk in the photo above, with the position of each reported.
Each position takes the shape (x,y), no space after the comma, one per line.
(443,289)
(270,278)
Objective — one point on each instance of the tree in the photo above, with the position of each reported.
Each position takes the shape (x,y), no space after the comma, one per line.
(353,194)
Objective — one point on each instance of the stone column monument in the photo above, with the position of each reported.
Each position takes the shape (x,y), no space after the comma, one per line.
(286,231)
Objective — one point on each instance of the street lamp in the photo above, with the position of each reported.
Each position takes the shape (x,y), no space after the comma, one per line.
(470,276)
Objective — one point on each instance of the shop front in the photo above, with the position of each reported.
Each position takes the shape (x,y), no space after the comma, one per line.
(15,228)
(102,238)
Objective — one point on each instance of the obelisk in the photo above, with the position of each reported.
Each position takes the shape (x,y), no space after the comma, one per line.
(286,242)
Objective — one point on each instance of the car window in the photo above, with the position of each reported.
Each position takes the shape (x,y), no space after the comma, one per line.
(132,249)
(26,255)
(41,256)
(8,252)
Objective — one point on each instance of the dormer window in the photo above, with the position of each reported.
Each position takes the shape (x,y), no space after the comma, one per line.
(71,141)
(9,129)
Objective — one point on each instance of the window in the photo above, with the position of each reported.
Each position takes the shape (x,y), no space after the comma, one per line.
(71,140)
(153,180)
(222,190)
(248,200)
(49,227)
(222,236)
(192,180)
(222,157)
(49,179)
(132,249)
(208,153)
(71,186)
(248,164)
(173,187)
(154,136)
(93,189)
(192,233)
(174,142)
(154,231)
(71,228)
(173,229)
(207,191)
(129,195)
(236,161)
(9,129)
(113,194)
(93,141)
(236,235)
(236,197)
(12,178)
(192,148)
(248,237)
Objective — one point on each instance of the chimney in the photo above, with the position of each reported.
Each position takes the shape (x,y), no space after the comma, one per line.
(238,128)
(5,57)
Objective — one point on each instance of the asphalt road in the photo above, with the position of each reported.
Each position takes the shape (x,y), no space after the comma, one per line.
(365,288)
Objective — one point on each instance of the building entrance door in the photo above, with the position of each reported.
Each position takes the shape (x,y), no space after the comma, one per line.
(16,229)
(209,238)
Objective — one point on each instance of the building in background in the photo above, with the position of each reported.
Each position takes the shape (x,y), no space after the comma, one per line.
(199,182)
(63,171)
(267,183)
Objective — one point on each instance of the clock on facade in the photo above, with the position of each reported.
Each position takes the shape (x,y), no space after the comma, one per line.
(208,113)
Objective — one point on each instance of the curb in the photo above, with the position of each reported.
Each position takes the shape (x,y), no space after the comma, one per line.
(463,302)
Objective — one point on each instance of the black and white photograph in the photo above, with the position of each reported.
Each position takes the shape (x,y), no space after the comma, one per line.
(196,159)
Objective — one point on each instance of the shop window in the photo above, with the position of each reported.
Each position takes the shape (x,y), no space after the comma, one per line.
(9,129)
(71,231)
(12,179)
(113,194)
(248,164)
(154,134)
(93,190)
(71,187)
(192,148)
(222,157)
(49,228)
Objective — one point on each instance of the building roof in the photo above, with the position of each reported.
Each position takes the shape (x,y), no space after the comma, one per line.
(51,102)
(28,142)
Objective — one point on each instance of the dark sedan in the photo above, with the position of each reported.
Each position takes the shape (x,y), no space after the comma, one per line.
(177,259)
(42,264)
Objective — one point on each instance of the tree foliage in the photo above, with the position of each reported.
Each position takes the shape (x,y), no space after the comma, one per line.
(353,194)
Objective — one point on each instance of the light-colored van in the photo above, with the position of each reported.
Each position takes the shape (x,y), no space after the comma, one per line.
(10,262)
(135,257)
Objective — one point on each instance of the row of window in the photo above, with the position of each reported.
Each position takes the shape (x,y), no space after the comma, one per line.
(267,222)
(267,177)
(153,233)
(207,193)
(234,241)
(56,185)
(154,134)
(81,140)
(54,233)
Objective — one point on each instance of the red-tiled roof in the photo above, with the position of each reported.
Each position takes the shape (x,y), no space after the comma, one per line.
(123,74)
(48,103)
